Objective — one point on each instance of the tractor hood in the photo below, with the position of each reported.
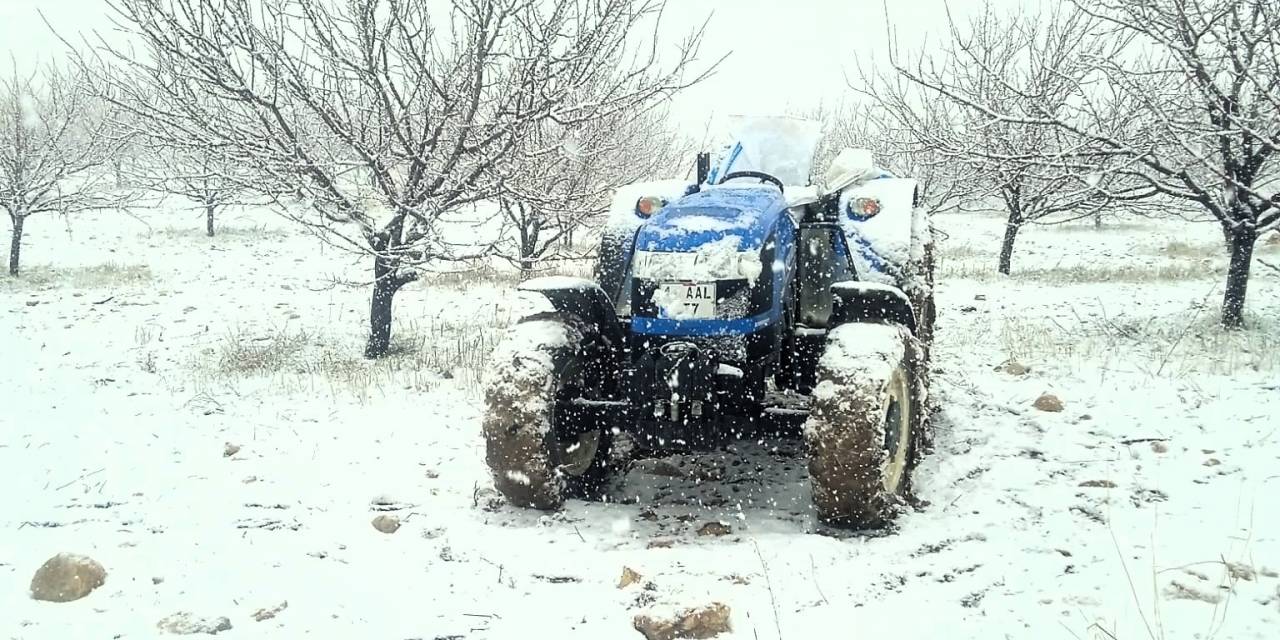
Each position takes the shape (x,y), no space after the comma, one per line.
(729,217)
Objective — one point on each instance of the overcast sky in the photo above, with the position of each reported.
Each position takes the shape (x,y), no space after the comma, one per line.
(797,52)
(783,53)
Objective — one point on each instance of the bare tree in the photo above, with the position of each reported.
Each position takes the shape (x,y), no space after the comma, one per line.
(1039,174)
(386,114)
(902,134)
(54,140)
(1184,97)
(562,178)
(207,177)
(163,161)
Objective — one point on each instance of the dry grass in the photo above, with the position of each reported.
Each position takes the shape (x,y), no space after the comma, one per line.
(465,278)
(1087,226)
(1081,274)
(965,251)
(275,352)
(298,361)
(507,277)
(1182,261)
(1267,245)
(1187,344)
(1186,250)
(102,276)
(196,231)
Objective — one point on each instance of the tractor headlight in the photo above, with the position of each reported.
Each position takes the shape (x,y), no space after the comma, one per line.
(864,208)
(649,205)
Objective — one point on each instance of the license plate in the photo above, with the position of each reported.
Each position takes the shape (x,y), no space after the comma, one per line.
(686,301)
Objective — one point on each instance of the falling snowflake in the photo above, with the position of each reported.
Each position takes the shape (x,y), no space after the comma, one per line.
(621,526)
(572,148)
(30,112)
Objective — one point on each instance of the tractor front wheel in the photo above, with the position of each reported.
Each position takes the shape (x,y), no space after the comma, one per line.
(535,459)
(865,424)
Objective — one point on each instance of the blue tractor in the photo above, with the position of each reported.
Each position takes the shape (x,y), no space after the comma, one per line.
(751,290)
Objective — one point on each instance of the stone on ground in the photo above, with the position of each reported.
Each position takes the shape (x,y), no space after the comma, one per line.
(628,578)
(66,577)
(188,624)
(714,528)
(702,622)
(1048,402)
(266,614)
(386,524)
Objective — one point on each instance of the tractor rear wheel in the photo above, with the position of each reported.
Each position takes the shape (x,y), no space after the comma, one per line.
(865,424)
(535,460)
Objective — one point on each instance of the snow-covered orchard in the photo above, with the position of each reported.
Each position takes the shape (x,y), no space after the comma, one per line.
(262,253)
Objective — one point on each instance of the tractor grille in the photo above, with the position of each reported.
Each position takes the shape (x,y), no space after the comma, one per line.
(726,349)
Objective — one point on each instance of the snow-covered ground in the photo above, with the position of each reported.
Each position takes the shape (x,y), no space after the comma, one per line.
(1148,508)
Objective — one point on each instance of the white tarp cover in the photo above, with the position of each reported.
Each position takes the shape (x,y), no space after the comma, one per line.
(780,146)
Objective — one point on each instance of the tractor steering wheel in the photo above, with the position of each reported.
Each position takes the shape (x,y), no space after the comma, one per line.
(760,175)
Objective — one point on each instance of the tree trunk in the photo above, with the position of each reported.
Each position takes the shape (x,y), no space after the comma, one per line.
(1006,248)
(15,245)
(527,259)
(1238,276)
(386,284)
(1097,219)
(208,219)
(528,246)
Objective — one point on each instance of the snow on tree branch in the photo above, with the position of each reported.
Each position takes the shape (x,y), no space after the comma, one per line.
(386,117)
(1181,96)
(54,138)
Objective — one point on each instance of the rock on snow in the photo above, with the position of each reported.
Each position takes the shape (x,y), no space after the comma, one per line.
(66,577)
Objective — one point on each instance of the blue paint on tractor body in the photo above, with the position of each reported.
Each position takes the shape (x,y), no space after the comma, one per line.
(756,217)
(876,262)
(673,327)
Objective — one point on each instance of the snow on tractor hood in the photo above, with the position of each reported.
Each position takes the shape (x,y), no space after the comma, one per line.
(747,214)
(715,234)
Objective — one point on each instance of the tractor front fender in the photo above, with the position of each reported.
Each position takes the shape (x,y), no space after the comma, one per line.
(855,301)
(585,300)
(616,248)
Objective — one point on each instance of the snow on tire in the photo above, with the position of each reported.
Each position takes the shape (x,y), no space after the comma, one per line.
(519,393)
(863,425)
(530,465)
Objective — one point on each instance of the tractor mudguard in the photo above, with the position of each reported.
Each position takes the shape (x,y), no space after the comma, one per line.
(856,301)
(585,300)
(614,261)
